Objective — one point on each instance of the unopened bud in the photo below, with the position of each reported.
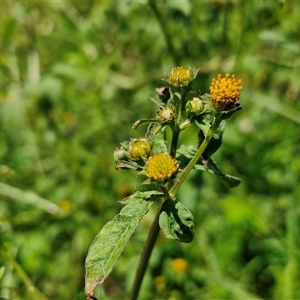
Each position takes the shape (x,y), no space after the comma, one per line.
(195,106)
(140,148)
(166,114)
(181,76)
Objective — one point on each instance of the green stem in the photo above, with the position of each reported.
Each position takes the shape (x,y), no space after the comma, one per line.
(167,36)
(174,142)
(196,157)
(176,129)
(145,256)
(31,289)
(154,230)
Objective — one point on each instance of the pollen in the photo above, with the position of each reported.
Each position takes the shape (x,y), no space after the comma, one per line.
(225,91)
(161,167)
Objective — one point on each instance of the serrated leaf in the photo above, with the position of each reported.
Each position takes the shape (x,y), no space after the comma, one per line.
(112,239)
(176,221)
(148,195)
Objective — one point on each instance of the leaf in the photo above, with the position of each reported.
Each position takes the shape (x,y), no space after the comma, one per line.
(148,195)
(156,133)
(138,123)
(211,166)
(124,164)
(176,221)
(185,153)
(112,239)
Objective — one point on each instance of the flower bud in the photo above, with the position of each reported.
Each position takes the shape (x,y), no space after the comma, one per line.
(181,76)
(161,167)
(119,154)
(140,148)
(195,106)
(166,115)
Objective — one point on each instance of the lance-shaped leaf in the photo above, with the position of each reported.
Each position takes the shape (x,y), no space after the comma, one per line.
(211,166)
(176,221)
(113,237)
(184,154)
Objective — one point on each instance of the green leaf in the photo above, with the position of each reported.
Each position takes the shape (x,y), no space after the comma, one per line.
(185,153)
(112,239)
(176,221)
(211,166)
(138,123)
(148,195)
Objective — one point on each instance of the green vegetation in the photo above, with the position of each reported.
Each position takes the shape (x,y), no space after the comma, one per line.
(75,75)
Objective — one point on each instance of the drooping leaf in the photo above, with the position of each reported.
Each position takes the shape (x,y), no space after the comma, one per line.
(185,153)
(176,221)
(138,123)
(112,238)
(211,166)
(124,164)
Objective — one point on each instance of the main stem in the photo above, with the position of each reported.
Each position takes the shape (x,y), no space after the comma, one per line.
(145,256)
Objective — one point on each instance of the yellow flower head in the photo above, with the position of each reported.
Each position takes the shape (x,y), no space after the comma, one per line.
(179,265)
(161,167)
(181,76)
(225,91)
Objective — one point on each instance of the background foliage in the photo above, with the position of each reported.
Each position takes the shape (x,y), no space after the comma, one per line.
(75,75)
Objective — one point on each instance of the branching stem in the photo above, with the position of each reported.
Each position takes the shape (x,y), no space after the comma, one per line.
(196,157)
(154,230)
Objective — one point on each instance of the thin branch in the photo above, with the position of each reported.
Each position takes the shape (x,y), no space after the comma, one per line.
(163,26)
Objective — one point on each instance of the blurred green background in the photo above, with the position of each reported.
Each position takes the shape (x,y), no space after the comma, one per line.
(74,76)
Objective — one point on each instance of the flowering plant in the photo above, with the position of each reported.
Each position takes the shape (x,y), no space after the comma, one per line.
(165,167)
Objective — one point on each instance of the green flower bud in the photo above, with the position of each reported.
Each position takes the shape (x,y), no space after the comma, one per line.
(140,149)
(195,106)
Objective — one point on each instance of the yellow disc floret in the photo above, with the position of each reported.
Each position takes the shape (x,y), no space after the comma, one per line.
(225,91)
(161,167)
